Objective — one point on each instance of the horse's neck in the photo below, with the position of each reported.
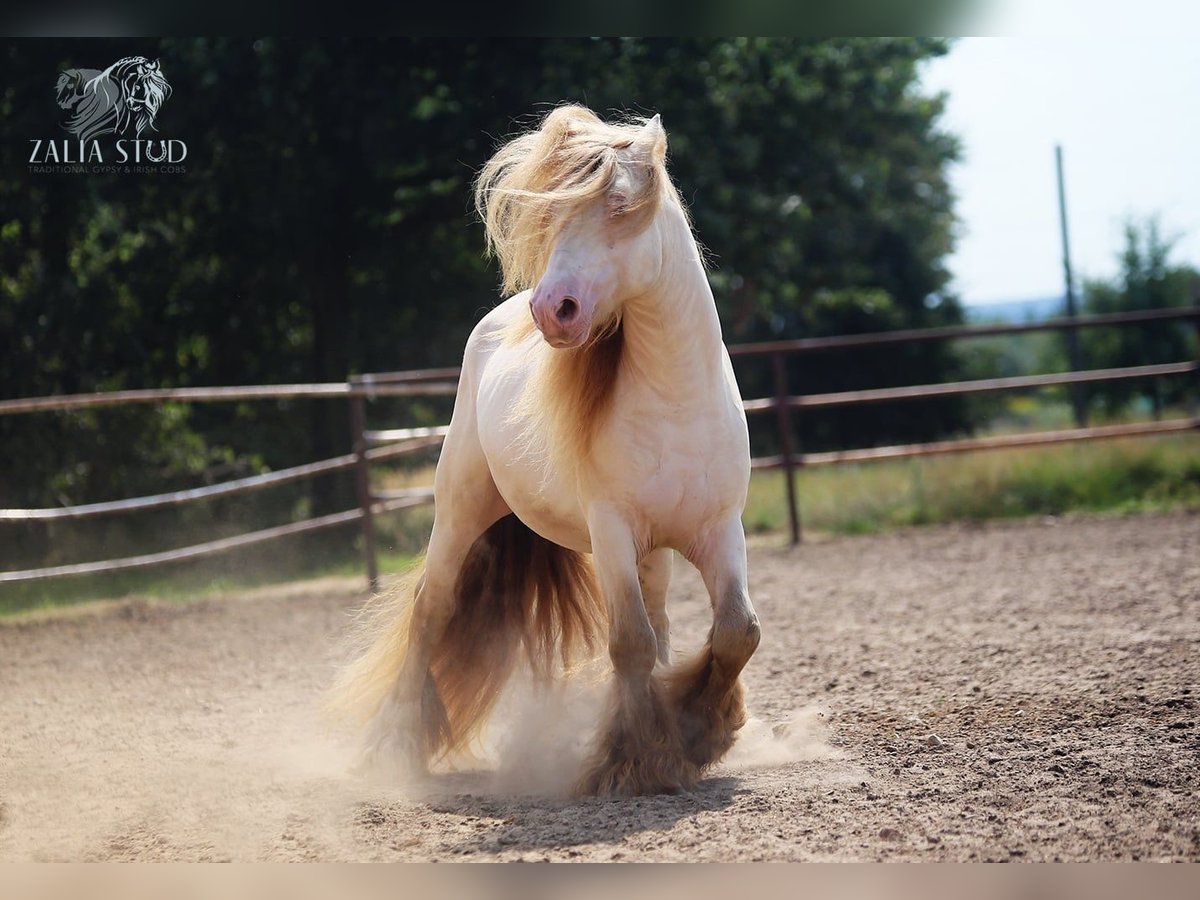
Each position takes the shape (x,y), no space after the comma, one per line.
(672,333)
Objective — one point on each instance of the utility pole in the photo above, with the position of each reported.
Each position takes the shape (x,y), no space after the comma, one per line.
(1078,400)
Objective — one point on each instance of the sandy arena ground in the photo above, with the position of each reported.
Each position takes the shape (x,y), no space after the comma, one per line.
(1023,691)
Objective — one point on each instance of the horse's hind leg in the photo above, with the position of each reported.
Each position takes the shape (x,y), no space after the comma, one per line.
(707,691)
(638,750)
(410,724)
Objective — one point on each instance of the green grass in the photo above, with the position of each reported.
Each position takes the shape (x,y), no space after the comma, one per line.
(1135,474)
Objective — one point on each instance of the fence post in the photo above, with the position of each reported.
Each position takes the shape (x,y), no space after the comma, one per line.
(1078,396)
(362,478)
(778,364)
(1196,332)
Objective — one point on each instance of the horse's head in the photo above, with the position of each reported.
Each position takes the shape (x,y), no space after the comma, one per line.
(129,92)
(571,212)
(601,257)
(144,89)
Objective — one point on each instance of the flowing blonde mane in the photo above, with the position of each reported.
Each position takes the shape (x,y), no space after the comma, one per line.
(526,191)
(537,181)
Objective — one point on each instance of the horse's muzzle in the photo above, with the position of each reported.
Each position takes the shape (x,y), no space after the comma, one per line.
(560,318)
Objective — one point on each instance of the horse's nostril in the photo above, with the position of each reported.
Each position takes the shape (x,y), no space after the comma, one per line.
(568,308)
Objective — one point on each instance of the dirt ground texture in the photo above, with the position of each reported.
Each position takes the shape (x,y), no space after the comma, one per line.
(1019,691)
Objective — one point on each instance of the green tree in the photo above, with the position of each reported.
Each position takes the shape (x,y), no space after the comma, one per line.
(323,227)
(1147,280)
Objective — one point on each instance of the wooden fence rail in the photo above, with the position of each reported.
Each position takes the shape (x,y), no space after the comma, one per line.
(225,394)
(208,548)
(371,446)
(957,388)
(783,403)
(209,492)
(996,442)
(951,332)
(395,443)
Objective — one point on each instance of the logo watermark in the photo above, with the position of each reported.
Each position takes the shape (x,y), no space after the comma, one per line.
(122,100)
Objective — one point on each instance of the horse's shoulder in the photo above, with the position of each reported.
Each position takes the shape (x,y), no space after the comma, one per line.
(500,318)
(498,326)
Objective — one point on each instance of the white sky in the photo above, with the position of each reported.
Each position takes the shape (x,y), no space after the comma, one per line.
(1127,113)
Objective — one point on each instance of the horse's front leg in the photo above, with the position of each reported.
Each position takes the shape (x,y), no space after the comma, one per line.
(654,575)
(707,692)
(638,749)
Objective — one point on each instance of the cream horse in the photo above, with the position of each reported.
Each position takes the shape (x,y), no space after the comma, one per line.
(597,429)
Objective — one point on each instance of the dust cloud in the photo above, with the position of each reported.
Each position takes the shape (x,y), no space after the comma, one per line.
(801,736)
(540,735)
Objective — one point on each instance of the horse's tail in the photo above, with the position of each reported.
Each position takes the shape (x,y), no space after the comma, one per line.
(515,592)
(376,646)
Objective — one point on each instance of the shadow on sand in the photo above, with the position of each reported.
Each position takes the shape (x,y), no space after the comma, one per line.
(523,823)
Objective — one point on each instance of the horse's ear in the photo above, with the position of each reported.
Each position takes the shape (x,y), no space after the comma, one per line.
(647,149)
(650,145)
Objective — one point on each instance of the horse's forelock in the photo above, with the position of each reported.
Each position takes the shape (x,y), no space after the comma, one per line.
(539,179)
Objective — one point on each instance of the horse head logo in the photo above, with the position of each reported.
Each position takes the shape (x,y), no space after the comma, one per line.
(129,92)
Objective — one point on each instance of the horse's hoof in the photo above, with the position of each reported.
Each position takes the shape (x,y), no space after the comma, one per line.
(397,761)
(612,784)
(709,720)
(637,774)
(395,750)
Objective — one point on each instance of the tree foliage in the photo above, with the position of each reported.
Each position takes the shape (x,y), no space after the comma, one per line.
(1146,280)
(323,228)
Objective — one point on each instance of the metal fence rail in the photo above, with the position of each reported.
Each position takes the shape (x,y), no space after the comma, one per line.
(371,446)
